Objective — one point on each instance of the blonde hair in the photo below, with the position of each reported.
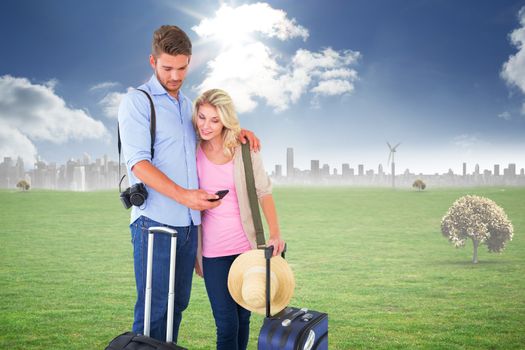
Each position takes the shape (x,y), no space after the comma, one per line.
(226,111)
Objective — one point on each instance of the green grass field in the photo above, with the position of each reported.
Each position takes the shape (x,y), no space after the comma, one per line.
(373,259)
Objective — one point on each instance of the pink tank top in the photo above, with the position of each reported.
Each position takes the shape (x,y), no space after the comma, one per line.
(222,232)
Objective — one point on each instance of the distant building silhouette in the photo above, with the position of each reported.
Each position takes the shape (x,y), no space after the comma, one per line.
(85,175)
(317,175)
(345,170)
(76,175)
(278,170)
(512,170)
(314,169)
(325,170)
(289,162)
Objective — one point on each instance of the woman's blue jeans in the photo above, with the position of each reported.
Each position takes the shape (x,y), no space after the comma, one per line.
(232,320)
(184,265)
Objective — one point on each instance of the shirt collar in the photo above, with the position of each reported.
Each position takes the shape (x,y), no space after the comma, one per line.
(157,89)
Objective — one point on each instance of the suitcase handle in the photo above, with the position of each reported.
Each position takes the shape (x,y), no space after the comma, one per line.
(171,294)
(268,253)
(163,230)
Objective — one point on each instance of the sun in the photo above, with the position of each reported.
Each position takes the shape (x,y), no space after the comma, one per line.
(229,27)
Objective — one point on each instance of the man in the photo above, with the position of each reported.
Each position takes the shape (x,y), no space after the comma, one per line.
(170,177)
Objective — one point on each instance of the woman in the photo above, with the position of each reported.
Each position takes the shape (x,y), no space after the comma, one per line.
(228,229)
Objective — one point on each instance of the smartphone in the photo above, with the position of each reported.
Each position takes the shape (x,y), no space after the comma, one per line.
(221,195)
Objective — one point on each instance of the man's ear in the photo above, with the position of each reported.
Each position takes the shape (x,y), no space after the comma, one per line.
(152,61)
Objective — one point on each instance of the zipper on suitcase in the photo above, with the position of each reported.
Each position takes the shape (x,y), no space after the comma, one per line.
(289,329)
(311,324)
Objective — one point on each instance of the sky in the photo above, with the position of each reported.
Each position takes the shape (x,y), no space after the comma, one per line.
(335,80)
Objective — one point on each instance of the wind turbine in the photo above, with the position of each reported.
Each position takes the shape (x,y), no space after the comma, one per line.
(393,164)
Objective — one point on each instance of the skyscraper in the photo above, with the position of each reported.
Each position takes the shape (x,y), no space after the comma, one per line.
(289,162)
(325,170)
(512,169)
(314,169)
(361,170)
(278,170)
(346,170)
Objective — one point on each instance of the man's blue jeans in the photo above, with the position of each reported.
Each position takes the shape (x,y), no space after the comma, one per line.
(232,320)
(185,262)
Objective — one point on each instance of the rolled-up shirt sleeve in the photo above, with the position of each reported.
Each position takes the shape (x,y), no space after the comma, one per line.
(134,124)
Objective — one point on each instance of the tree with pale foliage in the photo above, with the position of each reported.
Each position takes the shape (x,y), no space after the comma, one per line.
(419,184)
(23,185)
(479,219)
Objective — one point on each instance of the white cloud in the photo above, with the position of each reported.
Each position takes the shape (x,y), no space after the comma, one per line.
(247,72)
(233,24)
(513,71)
(505,115)
(110,104)
(465,141)
(51,83)
(333,87)
(333,61)
(33,112)
(252,71)
(15,144)
(104,86)
(339,73)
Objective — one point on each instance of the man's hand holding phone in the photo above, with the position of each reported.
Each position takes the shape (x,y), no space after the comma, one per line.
(221,195)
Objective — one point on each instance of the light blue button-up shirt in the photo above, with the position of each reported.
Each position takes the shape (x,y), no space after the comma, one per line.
(175,144)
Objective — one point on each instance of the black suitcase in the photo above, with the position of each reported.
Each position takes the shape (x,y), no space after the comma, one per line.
(292,328)
(133,341)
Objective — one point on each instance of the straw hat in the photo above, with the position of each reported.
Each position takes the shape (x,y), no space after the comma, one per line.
(247,282)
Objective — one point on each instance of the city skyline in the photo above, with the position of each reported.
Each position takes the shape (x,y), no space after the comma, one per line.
(82,174)
(443,78)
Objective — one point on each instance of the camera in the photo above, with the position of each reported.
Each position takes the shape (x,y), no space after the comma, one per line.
(135,195)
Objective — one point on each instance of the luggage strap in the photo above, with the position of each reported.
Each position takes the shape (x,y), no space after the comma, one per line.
(252,195)
(256,215)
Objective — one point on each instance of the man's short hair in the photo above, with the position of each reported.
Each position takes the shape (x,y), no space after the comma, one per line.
(170,40)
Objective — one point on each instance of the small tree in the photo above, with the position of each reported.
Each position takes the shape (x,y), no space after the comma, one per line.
(23,185)
(419,184)
(479,219)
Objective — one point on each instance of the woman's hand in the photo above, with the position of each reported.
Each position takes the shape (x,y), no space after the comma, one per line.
(278,244)
(198,269)
(247,135)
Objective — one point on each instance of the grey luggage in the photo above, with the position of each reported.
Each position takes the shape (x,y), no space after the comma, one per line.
(133,341)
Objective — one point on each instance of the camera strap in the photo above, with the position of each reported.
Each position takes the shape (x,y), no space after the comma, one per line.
(152,129)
